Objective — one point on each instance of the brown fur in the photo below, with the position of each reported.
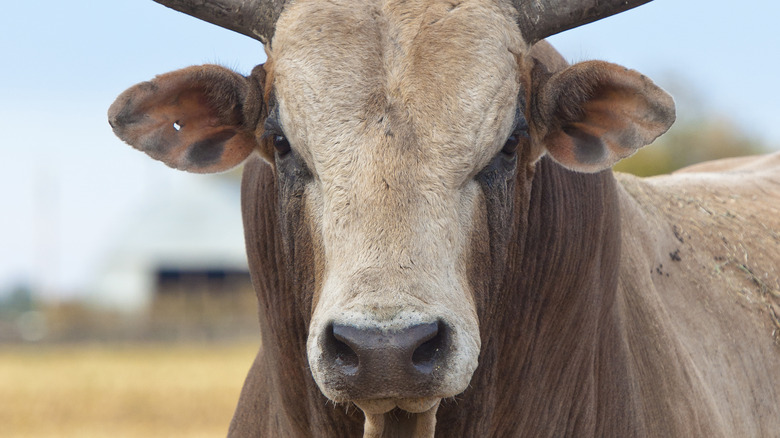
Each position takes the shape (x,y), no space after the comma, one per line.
(605,306)
(581,340)
(587,346)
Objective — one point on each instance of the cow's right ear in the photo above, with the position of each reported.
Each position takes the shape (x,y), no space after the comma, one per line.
(199,119)
(593,114)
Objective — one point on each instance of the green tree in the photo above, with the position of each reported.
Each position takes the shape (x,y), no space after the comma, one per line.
(697,135)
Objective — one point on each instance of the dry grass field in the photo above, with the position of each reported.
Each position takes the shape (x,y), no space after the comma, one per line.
(165,390)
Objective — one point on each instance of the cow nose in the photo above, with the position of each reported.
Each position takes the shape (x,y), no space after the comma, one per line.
(377,363)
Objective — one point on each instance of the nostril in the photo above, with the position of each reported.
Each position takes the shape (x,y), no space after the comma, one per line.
(412,352)
(431,348)
(372,362)
(338,348)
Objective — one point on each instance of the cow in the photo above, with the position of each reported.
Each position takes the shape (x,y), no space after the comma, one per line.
(437,241)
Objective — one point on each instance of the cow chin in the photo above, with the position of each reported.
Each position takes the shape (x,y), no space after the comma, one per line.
(408,362)
(384,405)
(382,420)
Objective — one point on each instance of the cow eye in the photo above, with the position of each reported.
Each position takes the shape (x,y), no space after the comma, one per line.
(510,147)
(281,145)
(513,141)
(274,130)
(519,132)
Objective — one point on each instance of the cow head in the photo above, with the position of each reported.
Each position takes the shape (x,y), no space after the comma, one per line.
(396,130)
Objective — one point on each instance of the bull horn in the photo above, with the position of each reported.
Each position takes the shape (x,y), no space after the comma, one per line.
(539,19)
(253,18)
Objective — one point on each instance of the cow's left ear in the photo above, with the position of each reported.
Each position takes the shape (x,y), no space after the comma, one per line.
(593,114)
(200,119)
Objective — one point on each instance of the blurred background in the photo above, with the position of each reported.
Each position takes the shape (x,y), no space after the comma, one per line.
(125,302)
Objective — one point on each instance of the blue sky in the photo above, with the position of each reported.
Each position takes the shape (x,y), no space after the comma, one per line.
(68,186)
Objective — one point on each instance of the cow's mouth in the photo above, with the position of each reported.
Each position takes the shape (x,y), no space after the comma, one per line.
(404,417)
(385,405)
(396,370)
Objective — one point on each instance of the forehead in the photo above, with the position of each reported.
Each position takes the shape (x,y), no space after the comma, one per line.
(440,76)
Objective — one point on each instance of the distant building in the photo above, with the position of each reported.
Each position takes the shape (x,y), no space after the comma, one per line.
(187,238)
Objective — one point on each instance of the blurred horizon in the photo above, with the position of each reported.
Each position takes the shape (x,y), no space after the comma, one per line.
(71,190)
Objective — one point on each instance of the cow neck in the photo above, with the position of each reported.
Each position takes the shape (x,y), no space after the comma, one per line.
(545,334)
(562,286)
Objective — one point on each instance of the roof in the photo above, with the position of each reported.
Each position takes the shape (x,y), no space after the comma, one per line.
(189,226)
